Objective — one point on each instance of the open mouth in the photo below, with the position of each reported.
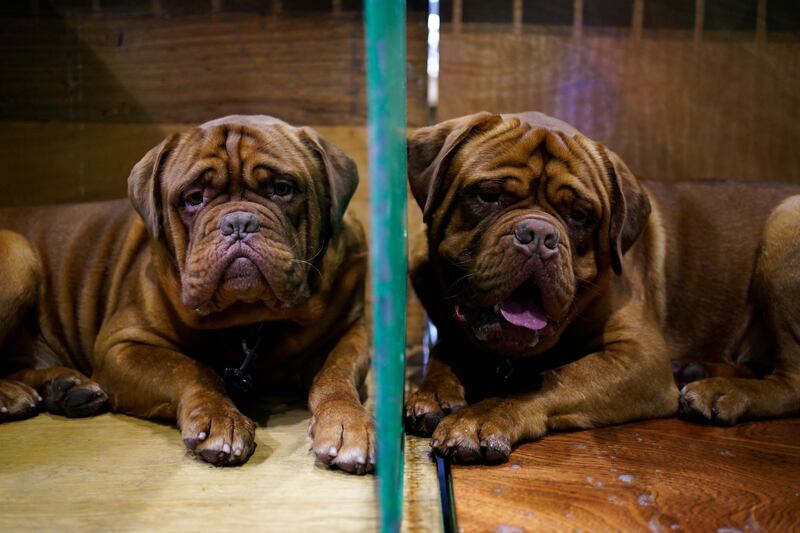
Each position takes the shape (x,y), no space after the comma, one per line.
(523,310)
(516,323)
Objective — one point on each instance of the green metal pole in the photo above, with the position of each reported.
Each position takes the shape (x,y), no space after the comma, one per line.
(386,98)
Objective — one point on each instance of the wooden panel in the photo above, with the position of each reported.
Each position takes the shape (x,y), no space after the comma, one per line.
(673,103)
(660,475)
(192,61)
(422,510)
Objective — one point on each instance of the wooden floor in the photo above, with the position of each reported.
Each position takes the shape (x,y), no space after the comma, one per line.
(112,473)
(117,473)
(657,475)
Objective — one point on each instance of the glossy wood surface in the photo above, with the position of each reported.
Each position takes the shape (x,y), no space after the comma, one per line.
(658,475)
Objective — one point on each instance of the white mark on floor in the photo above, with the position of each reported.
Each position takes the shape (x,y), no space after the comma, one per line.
(515,467)
(726,453)
(626,478)
(503,528)
(594,482)
(645,499)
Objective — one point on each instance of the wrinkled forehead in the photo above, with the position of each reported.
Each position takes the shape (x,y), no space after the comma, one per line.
(499,150)
(539,120)
(235,145)
(516,148)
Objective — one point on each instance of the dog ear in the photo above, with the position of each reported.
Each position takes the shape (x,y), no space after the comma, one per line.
(144,184)
(430,150)
(630,208)
(341,173)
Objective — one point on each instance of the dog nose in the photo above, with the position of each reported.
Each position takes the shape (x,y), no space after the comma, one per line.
(238,224)
(536,236)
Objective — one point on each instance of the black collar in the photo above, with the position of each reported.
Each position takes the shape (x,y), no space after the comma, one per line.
(238,380)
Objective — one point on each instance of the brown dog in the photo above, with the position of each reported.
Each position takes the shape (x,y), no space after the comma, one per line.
(562,287)
(240,222)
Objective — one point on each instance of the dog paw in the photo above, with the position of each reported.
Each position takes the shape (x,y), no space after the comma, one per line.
(74,395)
(17,400)
(425,409)
(715,400)
(344,437)
(218,433)
(483,432)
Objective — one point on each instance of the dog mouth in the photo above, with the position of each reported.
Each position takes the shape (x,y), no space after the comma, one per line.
(241,267)
(251,271)
(522,309)
(244,277)
(516,324)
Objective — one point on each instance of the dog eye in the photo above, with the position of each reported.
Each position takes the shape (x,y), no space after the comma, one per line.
(489,197)
(580,215)
(282,188)
(193,199)
(489,193)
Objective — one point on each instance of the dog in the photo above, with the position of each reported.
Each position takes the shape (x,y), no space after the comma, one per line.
(239,234)
(569,294)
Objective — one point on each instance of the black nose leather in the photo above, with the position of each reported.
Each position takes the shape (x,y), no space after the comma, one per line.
(536,236)
(238,224)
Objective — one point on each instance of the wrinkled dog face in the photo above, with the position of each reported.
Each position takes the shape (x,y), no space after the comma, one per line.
(245,205)
(521,223)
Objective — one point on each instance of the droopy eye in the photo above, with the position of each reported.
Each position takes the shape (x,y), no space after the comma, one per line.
(282,188)
(489,193)
(580,215)
(489,197)
(193,198)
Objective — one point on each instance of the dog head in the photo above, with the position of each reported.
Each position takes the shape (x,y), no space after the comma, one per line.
(524,216)
(245,207)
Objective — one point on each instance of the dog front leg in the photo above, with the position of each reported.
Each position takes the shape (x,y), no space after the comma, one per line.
(156,382)
(624,382)
(440,394)
(342,429)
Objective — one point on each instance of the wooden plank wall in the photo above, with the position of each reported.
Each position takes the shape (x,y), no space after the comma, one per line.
(90,85)
(679,88)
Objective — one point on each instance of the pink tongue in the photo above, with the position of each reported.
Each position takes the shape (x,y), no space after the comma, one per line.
(524,314)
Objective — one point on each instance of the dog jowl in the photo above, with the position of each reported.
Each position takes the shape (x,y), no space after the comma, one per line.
(238,226)
(567,292)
